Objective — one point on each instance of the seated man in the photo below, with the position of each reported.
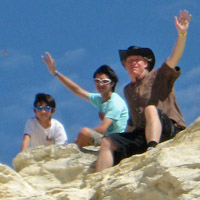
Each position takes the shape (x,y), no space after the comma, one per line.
(154,113)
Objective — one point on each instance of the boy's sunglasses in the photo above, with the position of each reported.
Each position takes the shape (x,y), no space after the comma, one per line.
(104,81)
(45,108)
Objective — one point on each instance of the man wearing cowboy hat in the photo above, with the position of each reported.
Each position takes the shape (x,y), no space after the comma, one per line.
(154,115)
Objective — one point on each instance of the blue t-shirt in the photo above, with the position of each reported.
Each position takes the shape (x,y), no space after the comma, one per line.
(115,108)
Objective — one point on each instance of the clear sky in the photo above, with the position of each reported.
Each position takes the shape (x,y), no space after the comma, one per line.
(82,35)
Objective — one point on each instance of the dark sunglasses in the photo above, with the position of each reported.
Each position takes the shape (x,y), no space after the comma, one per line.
(45,108)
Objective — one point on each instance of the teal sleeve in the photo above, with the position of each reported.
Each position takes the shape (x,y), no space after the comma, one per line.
(95,99)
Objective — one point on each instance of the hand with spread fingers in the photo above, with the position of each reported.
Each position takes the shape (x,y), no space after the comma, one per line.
(182,22)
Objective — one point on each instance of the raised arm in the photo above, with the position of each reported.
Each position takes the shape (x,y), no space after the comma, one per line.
(70,85)
(182,24)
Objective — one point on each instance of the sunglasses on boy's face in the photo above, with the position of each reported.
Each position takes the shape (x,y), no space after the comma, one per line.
(104,81)
(45,108)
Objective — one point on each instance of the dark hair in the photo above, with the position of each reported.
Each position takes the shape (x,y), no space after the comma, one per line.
(48,99)
(105,69)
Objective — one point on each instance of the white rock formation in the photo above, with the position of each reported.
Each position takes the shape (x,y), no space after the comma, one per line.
(170,172)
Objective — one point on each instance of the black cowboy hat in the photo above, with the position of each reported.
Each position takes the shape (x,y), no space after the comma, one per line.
(134,50)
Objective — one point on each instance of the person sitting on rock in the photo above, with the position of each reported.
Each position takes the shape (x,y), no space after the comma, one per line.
(43,129)
(113,111)
(154,114)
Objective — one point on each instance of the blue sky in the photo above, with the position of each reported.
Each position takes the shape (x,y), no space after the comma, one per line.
(82,35)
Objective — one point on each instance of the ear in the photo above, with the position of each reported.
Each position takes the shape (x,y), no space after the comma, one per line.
(112,84)
(146,64)
(53,111)
(34,110)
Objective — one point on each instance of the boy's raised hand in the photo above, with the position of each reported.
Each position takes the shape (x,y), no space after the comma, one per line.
(182,22)
(50,63)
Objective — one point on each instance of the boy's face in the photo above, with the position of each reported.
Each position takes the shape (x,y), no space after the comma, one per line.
(43,112)
(103,84)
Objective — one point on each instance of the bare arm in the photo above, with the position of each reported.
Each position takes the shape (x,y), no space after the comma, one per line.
(26,142)
(70,85)
(102,128)
(182,24)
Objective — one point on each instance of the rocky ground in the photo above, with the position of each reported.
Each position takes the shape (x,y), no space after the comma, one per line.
(169,172)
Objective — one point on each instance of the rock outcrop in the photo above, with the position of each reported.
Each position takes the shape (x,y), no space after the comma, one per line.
(169,172)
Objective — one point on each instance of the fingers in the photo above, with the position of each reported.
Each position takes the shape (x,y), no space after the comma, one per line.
(50,63)
(48,59)
(182,21)
(184,17)
(44,59)
(176,20)
(48,56)
(187,16)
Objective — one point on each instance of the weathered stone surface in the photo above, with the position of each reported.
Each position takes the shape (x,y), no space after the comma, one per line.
(169,172)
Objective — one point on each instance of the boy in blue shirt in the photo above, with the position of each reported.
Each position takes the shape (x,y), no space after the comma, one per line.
(112,109)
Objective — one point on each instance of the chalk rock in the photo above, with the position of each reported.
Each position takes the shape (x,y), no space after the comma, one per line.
(13,186)
(170,171)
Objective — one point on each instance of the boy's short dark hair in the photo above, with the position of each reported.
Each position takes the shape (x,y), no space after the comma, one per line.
(105,69)
(42,97)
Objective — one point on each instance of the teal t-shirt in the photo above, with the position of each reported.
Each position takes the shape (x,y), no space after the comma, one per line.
(115,108)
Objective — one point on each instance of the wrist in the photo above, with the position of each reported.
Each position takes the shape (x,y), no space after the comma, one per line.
(182,34)
(56,73)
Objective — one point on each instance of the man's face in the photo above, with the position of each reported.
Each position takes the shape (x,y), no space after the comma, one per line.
(135,65)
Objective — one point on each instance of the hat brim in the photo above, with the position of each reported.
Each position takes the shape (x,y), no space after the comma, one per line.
(144,52)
